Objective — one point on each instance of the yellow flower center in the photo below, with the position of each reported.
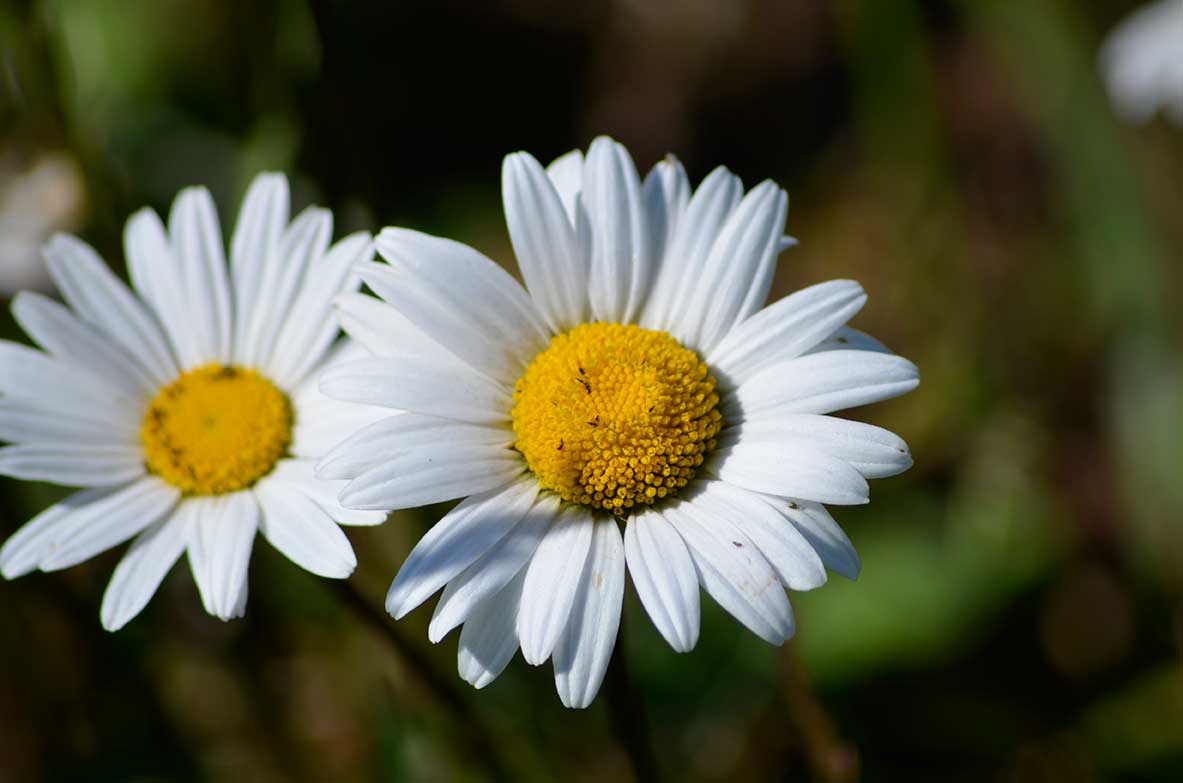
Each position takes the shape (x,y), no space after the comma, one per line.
(216,429)
(612,415)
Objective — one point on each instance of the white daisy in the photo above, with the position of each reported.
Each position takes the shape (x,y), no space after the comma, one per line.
(634,383)
(1142,61)
(190,413)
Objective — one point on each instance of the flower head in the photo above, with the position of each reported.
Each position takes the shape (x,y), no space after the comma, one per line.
(1142,60)
(632,408)
(189,412)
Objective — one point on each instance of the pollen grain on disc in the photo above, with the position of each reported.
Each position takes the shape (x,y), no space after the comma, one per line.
(613,415)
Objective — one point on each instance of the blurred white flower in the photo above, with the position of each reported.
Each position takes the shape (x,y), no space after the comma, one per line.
(1142,60)
(187,410)
(35,201)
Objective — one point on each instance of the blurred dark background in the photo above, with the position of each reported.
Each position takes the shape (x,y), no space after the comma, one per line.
(1018,617)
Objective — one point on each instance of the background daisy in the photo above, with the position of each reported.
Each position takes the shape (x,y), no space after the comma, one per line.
(1142,61)
(635,381)
(189,412)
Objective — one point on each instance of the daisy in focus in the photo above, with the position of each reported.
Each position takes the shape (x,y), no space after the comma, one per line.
(633,408)
(189,412)
(1142,60)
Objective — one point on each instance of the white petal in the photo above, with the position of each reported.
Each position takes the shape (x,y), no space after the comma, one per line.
(158,277)
(460,299)
(822,383)
(197,247)
(872,451)
(737,273)
(296,475)
(56,330)
(785,549)
(311,324)
(786,329)
(686,254)
(105,521)
(405,432)
(140,572)
(566,174)
(320,426)
(814,522)
(320,421)
(72,465)
(433,474)
(102,300)
(27,547)
(303,531)
(791,468)
(384,331)
(552,580)
(22,421)
(489,637)
(261,223)
(494,569)
(435,387)
(666,192)
(664,576)
(221,535)
(548,252)
(621,264)
(734,573)
(49,384)
(582,654)
(847,339)
(452,544)
(259,320)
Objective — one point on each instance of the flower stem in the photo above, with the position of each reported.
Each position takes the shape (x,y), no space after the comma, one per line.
(471,727)
(628,717)
(830,758)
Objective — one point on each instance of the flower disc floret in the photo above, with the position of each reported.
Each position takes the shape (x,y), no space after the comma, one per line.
(216,429)
(612,415)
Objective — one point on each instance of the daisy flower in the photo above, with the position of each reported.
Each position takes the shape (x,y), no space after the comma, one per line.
(189,413)
(632,408)
(1142,60)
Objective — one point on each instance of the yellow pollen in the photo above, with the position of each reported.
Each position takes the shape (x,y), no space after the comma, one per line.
(216,429)
(612,415)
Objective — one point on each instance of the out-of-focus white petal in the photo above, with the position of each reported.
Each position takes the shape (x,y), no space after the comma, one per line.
(196,239)
(302,530)
(99,522)
(221,535)
(101,299)
(140,572)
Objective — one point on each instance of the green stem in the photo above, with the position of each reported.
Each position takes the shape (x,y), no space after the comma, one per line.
(470,726)
(830,758)
(628,717)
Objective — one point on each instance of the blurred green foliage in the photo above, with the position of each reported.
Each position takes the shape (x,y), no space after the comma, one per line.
(1018,617)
